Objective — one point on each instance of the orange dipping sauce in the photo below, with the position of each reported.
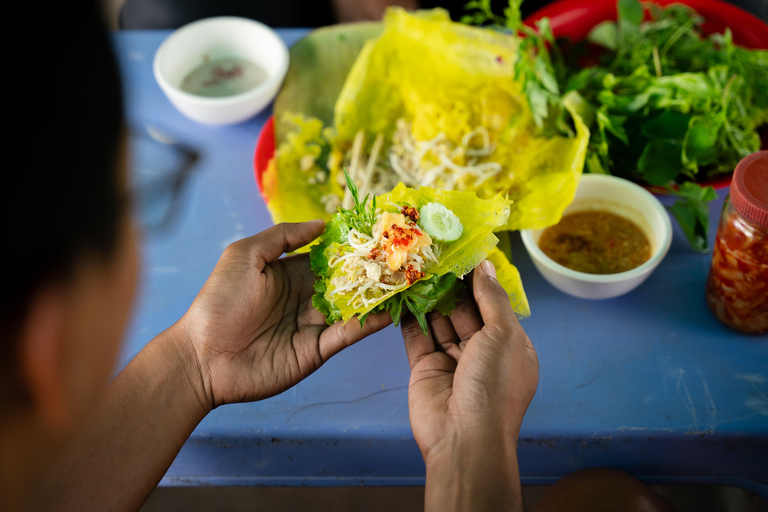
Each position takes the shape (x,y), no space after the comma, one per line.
(596,242)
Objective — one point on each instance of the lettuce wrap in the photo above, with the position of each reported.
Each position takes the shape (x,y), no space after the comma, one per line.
(353,260)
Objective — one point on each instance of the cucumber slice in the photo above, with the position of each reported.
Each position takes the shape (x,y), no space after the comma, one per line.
(440,223)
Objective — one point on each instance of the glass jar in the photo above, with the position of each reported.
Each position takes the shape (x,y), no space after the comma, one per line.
(737,287)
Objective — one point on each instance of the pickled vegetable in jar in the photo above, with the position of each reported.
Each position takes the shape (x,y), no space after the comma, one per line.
(737,287)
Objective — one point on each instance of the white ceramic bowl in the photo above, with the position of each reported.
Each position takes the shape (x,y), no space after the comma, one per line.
(217,38)
(621,197)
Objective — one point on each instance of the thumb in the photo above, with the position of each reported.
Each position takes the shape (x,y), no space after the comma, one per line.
(282,238)
(492,301)
(500,322)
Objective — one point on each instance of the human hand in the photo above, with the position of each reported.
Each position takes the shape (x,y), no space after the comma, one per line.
(471,383)
(252,326)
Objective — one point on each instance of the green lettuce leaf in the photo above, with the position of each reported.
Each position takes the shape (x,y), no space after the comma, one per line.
(335,233)
(438,293)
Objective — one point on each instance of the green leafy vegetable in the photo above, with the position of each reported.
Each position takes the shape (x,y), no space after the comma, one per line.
(671,104)
(630,11)
(691,212)
(361,217)
(668,81)
(699,145)
(606,35)
(438,293)
(660,161)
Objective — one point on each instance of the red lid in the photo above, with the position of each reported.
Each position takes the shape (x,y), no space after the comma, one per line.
(749,189)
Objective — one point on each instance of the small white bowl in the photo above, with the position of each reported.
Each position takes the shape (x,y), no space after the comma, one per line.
(217,38)
(621,197)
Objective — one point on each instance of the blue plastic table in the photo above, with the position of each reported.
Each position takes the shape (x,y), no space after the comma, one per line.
(650,383)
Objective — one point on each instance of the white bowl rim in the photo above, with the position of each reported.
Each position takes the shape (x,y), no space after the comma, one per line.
(224,100)
(665,241)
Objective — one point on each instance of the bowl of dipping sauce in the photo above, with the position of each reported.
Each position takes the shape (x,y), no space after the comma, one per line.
(221,70)
(610,239)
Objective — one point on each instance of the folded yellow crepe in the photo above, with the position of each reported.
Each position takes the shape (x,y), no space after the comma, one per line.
(390,255)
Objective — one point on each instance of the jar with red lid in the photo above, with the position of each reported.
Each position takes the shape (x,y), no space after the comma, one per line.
(737,287)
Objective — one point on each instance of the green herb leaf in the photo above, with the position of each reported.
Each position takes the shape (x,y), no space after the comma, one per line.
(612,124)
(660,162)
(594,165)
(630,15)
(537,100)
(483,14)
(699,145)
(581,80)
(606,34)
(692,85)
(687,218)
(692,213)
(534,67)
(513,18)
(433,294)
(361,217)
(670,124)
(696,192)
(546,76)
(630,11)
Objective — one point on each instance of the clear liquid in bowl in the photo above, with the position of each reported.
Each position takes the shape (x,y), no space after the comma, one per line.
(223,77)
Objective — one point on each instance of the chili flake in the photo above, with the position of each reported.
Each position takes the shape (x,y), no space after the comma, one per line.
(412,275)
(410,212)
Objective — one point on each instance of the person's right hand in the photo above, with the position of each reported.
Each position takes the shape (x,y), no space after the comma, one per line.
(253,329)
(471,383)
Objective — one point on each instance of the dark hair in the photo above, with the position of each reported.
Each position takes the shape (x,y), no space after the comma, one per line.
(65,198)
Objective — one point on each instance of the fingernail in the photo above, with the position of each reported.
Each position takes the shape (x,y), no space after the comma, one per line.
(488,269)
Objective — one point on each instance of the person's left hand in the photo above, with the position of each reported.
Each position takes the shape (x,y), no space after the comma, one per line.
(253,327)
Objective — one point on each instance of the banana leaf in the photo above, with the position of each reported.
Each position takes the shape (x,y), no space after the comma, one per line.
(319,67)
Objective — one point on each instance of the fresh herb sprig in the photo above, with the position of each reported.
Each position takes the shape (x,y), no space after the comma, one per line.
(692,212)
(536,69)
(361,217)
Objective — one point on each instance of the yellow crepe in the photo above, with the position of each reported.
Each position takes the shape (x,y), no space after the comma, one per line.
(442,77)
(450,78)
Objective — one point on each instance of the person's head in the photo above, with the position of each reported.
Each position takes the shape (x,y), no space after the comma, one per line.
(70,249)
